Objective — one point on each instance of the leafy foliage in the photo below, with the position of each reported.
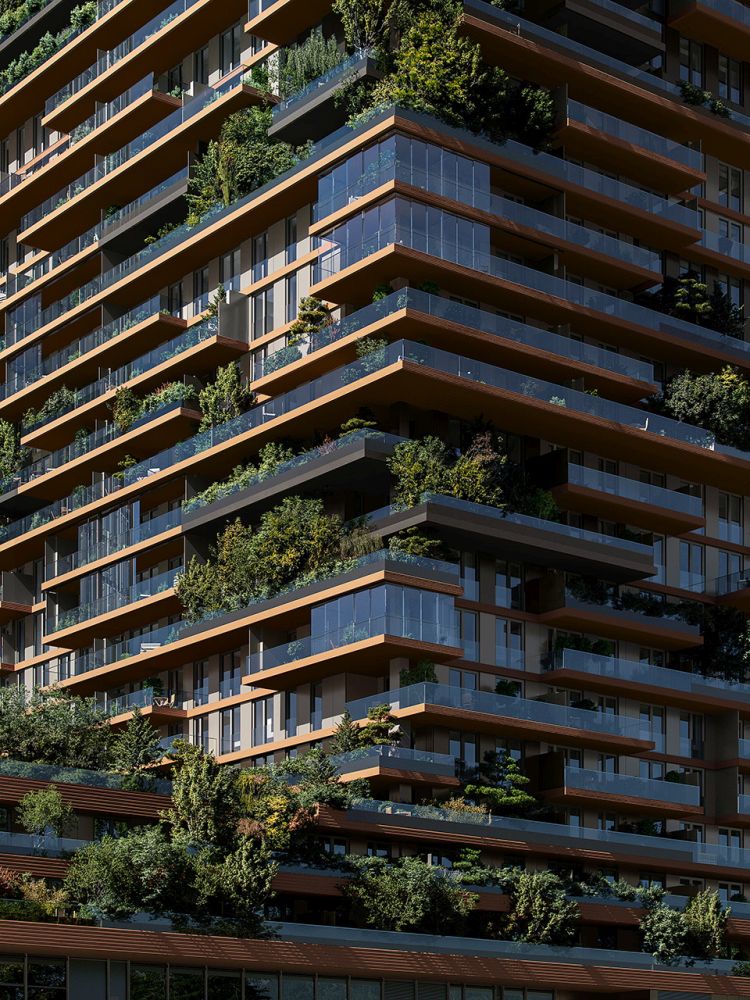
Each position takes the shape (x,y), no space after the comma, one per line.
(688,297)
(368,23)
(540,912)
(45,809)
(422,672)
(718,402)
(205,797)
(407,895)
(12,455)
(225,398)
(240,161)
(381,729)
(301,64)
(136,747)
(426,465)
(498,783)
(346,736)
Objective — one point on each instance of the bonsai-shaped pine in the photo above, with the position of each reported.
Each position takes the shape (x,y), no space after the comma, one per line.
(381,729)
(135,748)
(225,398)
(313,316)
(498,783)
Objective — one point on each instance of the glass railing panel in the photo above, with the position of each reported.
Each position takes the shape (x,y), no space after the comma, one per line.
(744,748)
(526,520)
(60,457)
(145,698)
(541,712)
(117,599)
(619,129)
(349,64)
(424,761)
(725,246)
(732,583)
(409,628)
(469,316)
(632,489)
(28,843)
(335,258)
(114,218)
(115,542)
(631,785)
(112,108)
(75,776)
(743,804)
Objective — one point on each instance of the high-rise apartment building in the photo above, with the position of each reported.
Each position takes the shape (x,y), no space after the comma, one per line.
(383,363)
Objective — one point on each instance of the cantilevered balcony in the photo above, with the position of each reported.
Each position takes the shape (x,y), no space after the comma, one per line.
(151,598)
(531,540)
(380,623)
(722,24)
(397,763)
(617,498)
(577,668)
(313,111)
(178,27)
(446,324)
(51,774)
(570,786)
(500,715)
(561,606)
(281,21)
(162,709)
(605,25)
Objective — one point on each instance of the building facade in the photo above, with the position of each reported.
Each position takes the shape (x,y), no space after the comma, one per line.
(539,290)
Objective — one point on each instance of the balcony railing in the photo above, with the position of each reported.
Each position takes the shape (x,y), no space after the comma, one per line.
(632,489)
(471,317)
(112,108)
(256,7)
(77,776)
(114,542)
(115,600)
(337,73)
(336,258)
(632,786)
(665,848)
(145,698)
(647,674)
(521,709)
(416,629)
(732,583)
(619,129)
(422,761)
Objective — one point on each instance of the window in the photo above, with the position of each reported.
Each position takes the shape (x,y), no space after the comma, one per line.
(730,563)
(230,729)
(291,297)
(691,62)
(200,732)
(200,66)
(230,49)
(200,683)
(470,575)
(729,891)
(174,299)
(509,644)
(508,584)
(730,518)
(691,734)
(316,706)
(730,838)
(375,849)
(230,674)
(230,271)
(730,79)
(653,725)
(652,769)
(692,576)
(338,847)
(290,712)
(468,621)
(733,288)
(463,746)
(730,187)
(200,290)
(262,312)
(290,227)
(174,79)
(262,721)
(659,547)
(606,821)
(729,230)
(466,679)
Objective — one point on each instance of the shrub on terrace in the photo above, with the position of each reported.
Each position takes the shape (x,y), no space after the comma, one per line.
(407,895)
(718,402)
(368,24)
(270,457)
(303,63)
(80,17)
(225,398)
(539,910)
(498,784)
(12,455)
(62,400)
(689,298)
(241,160)
(43,810)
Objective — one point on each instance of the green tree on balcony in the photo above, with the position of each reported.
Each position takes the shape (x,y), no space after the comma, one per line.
(227,397)
(498,783)
(719,402)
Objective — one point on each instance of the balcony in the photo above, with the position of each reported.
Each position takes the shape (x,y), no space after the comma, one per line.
(365,643)
(51,774)
(616,498)
(282,21)
(170,645)
(601,846)
(643,680)
(734,589)
(401,763)
(590,134)
(119,177)
(605,25)
(446,324)
(162,709)
(142,602)
(519,536)
(576,786)
(499,715)
(344,269)
(182,26)
(522,48)
(560,606)
(312,112)
(723,24)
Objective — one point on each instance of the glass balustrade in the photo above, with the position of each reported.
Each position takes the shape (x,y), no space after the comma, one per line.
(145,698)
(256,7)
(632,489)
(347,65)
(114,542)
(115,600)
(475,319)
(501,706)
(337,254)
(423,761)
(77,776)
(673,792)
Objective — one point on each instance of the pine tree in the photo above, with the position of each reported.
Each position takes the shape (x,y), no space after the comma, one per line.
(136,746)
(346,737)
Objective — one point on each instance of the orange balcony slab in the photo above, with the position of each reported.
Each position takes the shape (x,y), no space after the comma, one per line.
(133,615)
(282,22)
(724,26)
